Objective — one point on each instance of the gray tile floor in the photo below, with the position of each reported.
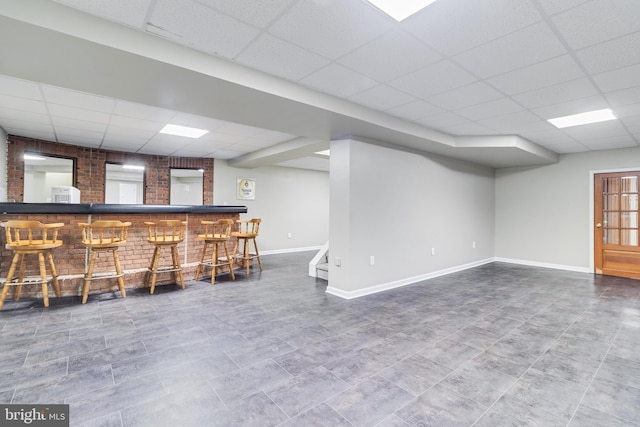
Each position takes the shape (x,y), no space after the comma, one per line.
(497,345)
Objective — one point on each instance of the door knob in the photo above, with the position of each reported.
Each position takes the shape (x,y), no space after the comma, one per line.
(598,225)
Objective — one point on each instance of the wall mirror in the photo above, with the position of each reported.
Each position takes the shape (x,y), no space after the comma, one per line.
(187,187)
(124,184)
(42,172)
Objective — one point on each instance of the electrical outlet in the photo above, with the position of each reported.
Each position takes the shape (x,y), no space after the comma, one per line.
(372,260)
(433,251)
(338,262)
(288,235)
(473,245)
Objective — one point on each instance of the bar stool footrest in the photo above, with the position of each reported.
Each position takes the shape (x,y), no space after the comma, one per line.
(35,280)
(104,275)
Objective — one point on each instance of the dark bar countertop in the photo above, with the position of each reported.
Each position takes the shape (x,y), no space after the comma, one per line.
(94,208)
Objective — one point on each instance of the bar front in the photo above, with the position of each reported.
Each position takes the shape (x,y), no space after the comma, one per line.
(71,258)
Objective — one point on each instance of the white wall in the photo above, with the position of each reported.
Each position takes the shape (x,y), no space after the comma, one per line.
(288,200)
(543,213)
(397,206)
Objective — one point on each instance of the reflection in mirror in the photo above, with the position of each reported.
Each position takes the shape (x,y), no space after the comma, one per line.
(42,172)
(124,184)
(186,187)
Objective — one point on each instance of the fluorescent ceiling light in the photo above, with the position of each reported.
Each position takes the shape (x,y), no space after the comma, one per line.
(136,167)
(323,153)
(583,118)
(400,9)
(33,157)
(185,131)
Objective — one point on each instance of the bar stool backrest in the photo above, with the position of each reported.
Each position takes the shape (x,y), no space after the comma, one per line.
(249,227)
(31,234)
(166,231)
(104,233)
(220,229)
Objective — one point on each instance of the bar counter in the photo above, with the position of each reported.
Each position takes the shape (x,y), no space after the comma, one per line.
(71,257)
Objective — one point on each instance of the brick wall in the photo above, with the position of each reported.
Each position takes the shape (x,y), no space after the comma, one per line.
(90,170)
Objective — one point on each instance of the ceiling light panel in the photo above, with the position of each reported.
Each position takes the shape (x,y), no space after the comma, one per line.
(589,117)
(400,10)
(185,131)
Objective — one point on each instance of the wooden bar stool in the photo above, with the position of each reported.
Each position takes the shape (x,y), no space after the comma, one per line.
(248,231)
(165,233)
(31,238)
(103,236)
(216,233)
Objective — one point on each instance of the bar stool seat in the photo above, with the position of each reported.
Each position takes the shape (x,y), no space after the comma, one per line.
(248,231)
(31,238)
(103,236)
(165,233)
(216,233)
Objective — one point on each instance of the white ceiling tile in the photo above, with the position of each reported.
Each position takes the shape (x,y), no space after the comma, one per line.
(20,88)
(622,78)
(454,26)
(475,93)
(618,53)
(514,122)
(328,27)
(390,56)
(26,116)
(125,11)
(239,130)
(629,113)
(624,97)
(69,123)
(199,122)
(257,13)
(563,92)
(115,133)
(75,99)
(382,97)
(490,109)
(278,57)
(25,125)
(202,28)
(610,143)
(130,144)
(414,110)
(22,104)
(468,129)
(78,113)
(598,21)
(553,7)
(338,80)
(548,137)
(568,147)
(567,108)
(224,154)
(82,140)
(433,79)
(274,137)
(136,123)
(65,133)
(543,74)
(443,120)
(536,43)
(31,133)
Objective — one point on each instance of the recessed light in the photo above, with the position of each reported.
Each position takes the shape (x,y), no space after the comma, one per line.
(323,153)
(400,9)
(185,131)
(583,118)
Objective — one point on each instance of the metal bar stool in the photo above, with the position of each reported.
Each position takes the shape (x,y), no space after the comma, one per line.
(103,236)
(248,231)
(216,233)
(31,238)
(165,233)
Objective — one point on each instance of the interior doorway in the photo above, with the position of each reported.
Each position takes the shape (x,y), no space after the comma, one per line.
(616,224)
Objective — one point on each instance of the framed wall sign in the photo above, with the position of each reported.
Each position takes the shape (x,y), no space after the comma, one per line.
(246,189)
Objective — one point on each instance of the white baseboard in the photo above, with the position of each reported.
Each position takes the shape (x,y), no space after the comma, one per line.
(403,282)
(290,250)
(544,265)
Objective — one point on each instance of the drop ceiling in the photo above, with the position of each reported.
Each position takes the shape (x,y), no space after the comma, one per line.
(275,81)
